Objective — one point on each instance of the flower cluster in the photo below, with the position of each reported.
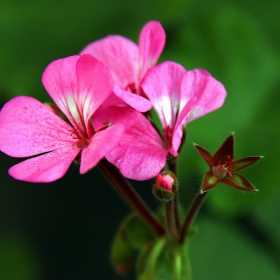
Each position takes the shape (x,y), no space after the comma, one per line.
(103,97)
(102,116)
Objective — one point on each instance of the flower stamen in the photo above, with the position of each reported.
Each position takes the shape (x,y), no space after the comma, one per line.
(82,142)
(131,87)
(167,135)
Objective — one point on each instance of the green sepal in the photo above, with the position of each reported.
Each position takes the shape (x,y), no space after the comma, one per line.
(162,260)
(245,162)
(239,182)
(182,269)
(209,182)
(133,235)
(148,261)
(138,233)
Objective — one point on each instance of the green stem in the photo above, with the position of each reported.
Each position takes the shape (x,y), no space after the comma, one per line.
(130,196)
(176,212)
(191,215)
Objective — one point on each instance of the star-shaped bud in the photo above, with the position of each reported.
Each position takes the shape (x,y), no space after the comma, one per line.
(223,167)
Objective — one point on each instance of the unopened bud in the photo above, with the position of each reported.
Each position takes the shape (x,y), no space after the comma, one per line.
(166,186)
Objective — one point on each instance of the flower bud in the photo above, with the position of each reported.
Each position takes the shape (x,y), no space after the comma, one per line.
(166,186)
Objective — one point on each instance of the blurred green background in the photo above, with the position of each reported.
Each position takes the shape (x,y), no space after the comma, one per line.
(63,230)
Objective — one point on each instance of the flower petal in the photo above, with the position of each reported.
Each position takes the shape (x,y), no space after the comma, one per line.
(239,182)
(151,44)
(137,102)
(162,86)
(60,81)
(120,55)
(78,85)
(101,144)
(209,92)
(28,127)
(95,84)
(178,130)
(245,162)
(45,168)
(140,153)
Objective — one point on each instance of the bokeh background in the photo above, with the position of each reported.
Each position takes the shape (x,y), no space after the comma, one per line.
(63,230)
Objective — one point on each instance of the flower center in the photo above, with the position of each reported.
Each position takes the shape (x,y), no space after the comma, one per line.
(222,170)
(167,136)
(82,142)
(131,87)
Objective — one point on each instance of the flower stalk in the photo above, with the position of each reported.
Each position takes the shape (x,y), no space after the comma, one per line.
(191,214)
(172,213)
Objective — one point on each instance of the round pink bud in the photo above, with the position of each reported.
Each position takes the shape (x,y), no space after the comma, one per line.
(166,186)
(165,181)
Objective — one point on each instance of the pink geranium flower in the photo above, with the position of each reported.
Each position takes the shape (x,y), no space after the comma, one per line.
(78,85)
(128,62)
(180,96)
(140,154)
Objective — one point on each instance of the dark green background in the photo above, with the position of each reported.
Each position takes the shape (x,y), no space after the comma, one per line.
(63,230)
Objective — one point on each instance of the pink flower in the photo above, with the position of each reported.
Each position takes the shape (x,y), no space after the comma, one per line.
(129,63)
(78,85)
(180,96)
(140,154)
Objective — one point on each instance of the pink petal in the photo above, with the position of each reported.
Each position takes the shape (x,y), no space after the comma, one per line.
(162,86)
(95,84)
(78,85)
(140,153)
(137,102)
(120,55)
(178,130)
(209,92)
(101,144)
(60,81)
(113,100)
(45,168)
(151,44)
(28,128)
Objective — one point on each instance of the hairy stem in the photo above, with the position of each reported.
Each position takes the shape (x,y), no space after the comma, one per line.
(172,165)
(171,228)
(197,202)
